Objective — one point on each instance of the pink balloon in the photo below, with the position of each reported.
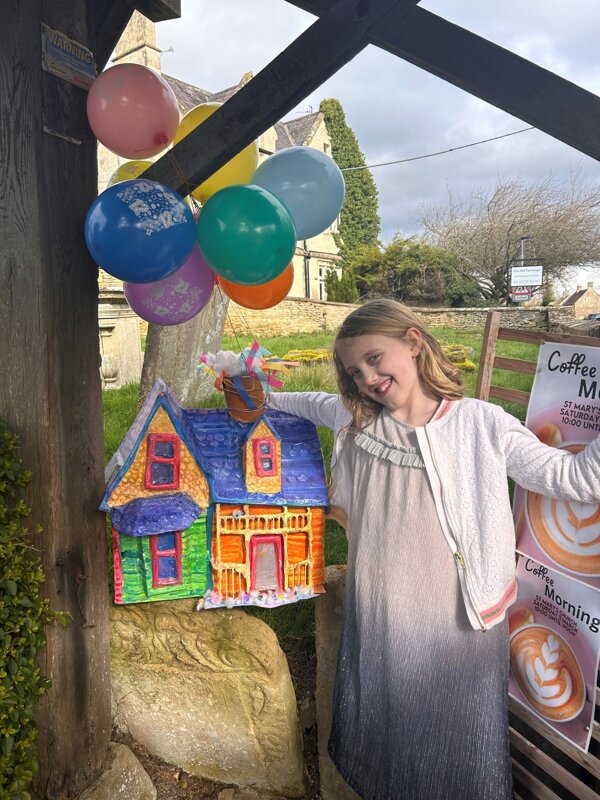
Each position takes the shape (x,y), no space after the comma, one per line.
(133,111)
(178,297)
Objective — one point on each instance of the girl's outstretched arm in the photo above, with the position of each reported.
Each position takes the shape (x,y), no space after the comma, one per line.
(549,470)
(320,408)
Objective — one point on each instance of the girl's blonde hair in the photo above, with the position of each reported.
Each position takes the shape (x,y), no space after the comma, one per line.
(389,318)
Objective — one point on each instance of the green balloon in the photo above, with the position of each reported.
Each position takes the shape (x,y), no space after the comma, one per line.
(246,234)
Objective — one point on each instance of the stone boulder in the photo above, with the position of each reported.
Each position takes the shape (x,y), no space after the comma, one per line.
(209,691)
(328,631)
(123,779)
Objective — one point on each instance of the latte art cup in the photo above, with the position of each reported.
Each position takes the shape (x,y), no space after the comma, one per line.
(568,532)
(547,672)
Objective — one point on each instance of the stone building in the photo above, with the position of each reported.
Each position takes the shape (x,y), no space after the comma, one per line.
(314,256)
(584,301)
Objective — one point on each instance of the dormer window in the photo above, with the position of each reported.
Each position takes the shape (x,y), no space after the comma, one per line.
(265,457)
(162,461)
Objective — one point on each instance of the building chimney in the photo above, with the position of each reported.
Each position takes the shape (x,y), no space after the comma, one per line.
(137,44)
(590,284)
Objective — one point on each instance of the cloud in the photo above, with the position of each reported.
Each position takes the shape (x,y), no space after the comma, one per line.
(397,110)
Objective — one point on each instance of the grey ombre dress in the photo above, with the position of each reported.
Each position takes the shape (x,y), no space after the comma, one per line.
(420,706)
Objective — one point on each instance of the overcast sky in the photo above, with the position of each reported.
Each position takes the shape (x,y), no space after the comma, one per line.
(399,111)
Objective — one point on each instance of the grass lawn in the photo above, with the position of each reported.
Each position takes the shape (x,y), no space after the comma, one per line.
(294,624)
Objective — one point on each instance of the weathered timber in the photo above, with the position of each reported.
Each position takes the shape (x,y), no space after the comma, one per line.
(303,66)
(50,388)
(488,71)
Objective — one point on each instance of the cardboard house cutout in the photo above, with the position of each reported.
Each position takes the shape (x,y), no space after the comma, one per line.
(202,505)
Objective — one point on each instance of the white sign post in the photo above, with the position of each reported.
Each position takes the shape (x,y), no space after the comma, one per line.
(531,275)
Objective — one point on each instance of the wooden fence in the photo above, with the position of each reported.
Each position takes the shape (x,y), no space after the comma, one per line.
(545,766)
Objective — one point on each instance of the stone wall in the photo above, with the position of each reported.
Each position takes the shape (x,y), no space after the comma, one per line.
(308,316)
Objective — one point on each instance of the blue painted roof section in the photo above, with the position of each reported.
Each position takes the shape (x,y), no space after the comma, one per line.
(160,514)
(219,441)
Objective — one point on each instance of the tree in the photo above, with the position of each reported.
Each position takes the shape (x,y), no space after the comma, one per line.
(359,218)
(484,232)
(413,271)
(341,290)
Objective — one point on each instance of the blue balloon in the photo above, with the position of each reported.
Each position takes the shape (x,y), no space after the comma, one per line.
(140,231)
(308,183)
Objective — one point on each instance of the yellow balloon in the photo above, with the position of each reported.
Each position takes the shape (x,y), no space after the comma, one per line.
(128,170)
(238,170)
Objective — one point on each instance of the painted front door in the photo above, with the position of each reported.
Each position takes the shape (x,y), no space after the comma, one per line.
(266,563)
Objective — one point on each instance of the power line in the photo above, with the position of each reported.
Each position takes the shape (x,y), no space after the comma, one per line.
(440,152)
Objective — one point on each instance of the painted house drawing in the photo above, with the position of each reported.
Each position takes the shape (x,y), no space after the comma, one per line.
(202,505)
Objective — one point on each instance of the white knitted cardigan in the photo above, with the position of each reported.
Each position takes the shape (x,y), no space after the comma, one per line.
(468,453)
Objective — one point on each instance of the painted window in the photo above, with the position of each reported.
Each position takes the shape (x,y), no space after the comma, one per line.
(165,554)
(265,457)
(162,461)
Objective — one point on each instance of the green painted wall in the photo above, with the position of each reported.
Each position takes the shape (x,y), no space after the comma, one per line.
(137,567)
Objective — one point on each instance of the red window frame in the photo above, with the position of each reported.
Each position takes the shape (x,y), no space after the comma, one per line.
(261,470)
(152,458)
(156,555)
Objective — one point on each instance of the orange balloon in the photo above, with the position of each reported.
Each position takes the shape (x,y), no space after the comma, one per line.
(263,295)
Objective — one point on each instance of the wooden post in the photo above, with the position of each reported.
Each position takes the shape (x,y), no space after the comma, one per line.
(50,387)
(488,353)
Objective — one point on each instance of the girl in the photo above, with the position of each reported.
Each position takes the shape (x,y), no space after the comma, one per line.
(419,480)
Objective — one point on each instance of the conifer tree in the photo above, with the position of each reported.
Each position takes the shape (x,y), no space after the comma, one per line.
(359,218)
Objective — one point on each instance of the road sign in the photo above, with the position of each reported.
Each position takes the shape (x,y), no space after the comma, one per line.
(531,275)
(520,293)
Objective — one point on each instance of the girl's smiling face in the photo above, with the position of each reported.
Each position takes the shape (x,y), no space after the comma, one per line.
(384,369)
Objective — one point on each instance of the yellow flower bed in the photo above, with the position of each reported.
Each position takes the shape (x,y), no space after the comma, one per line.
(458,354)
(317,356)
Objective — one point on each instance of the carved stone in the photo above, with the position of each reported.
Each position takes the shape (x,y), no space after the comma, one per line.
(208,692)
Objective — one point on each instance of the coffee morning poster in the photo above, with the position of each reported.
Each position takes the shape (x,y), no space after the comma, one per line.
(564,411)
(554,647)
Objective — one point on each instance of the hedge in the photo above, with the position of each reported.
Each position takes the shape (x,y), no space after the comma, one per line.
(23,615)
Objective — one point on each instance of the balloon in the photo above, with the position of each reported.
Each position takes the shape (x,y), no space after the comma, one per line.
(308,183)
(239,169)
(128,170)
(139,231)
(176,298)
(265,295)
(133,111)
(246,235)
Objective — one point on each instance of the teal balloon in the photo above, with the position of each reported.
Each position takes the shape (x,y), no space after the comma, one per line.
(246,234)
(309,184)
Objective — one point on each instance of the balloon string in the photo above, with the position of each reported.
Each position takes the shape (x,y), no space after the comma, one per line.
(244,323)
(184,180)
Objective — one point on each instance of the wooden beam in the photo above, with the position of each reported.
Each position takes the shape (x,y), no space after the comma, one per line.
(159,10)
(537,96)
(50,391)
(311,59)
(112,17)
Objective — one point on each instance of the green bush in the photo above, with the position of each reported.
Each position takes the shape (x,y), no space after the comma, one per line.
(23,615)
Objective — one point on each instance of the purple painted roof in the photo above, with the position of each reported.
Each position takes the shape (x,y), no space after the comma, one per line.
(149,515)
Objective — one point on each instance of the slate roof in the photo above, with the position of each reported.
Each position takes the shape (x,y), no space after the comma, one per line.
(293,133)
(216,442)
(573,298)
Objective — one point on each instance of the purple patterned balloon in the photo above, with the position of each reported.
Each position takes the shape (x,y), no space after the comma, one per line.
(176,298)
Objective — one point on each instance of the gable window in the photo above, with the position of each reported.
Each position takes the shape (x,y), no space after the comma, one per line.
(162,461)
(165,555)
(265,457)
